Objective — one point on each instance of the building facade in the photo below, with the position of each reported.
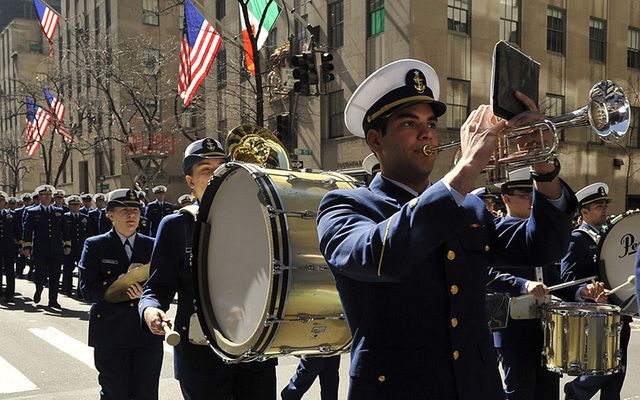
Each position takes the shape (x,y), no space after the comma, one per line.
(576,42)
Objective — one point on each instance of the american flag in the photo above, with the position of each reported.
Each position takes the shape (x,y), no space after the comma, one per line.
(37,124)
(48,21)
(200,44)
(57,108)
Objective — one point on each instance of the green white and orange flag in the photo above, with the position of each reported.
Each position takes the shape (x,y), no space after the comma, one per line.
(255,10)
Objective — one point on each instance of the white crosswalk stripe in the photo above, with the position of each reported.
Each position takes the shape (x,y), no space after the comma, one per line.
(66,343)
(12,380)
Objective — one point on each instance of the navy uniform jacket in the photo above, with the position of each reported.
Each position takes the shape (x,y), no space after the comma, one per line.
(170,273)
(94,216)
(104,223)
(46,233)
(143,226)
(10,232)
(79,232)
(84,210)
(112,325)
(411,275)
(154,214)
(64,207)
(581,260)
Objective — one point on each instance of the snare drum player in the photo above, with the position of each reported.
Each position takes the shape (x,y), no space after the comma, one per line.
(410,256)
(201,373)
(128,359)
(581,261)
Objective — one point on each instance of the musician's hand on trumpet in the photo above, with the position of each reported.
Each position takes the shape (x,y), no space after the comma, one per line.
(154,318)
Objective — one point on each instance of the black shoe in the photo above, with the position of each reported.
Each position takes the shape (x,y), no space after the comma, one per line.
(36,296)
(54,304)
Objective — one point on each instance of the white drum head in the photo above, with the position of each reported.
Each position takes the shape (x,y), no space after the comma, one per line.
(617,255)
(240,259)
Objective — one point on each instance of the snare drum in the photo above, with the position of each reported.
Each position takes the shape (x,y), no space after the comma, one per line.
(262,287)
(581,338)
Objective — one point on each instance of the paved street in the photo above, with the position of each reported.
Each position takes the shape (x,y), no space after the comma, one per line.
(44,356)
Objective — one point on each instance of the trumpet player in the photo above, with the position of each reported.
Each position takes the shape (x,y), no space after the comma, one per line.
(410,256)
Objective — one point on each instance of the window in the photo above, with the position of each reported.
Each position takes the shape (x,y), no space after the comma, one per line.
(300,34)
(335,108)
(335,25)
(221,66)
(633,48)
(181,18)
(510,21)
(458,99)
(555,30)
(272,40)
(458,16)
(597,39)
(220,9)
(151,61)
(634,128)
(150,12)
(553,107)
(35,47)
(376,17)
(96,20)
(222,129)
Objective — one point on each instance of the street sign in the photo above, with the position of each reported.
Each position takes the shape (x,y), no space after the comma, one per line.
(303,152)
(102,187)
(286,77)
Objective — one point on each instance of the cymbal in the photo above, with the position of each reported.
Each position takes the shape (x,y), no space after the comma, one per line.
(117,292)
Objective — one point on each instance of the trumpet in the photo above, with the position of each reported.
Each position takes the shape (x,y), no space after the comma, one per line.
(607,113)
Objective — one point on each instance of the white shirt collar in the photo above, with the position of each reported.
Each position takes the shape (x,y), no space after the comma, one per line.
(122,237)
(405,187)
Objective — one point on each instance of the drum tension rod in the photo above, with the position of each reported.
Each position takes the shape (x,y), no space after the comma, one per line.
(304,318)
(325,182)
(278,267)
(306,214)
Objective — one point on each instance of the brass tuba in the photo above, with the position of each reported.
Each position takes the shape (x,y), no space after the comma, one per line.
(257,145)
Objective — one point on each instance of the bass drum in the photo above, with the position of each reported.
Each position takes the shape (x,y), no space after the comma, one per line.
(617,254)
(262,287)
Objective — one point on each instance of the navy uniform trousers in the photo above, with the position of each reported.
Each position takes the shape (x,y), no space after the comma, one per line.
(201,373)
(21,260)
(79,231)
(128,360)
(308,370)
(412,273)
(581,262)
(9,236)
(46,233)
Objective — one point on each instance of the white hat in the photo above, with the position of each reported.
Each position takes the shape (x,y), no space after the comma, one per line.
(123,198)
(26,196)
(12,200)
(99,196)
(59,193)
(4,195)
(185,197)
(73,199)
(45,189)
(86,196)
(595,192)
(159,189)
(519,179)
(371,163)
(396,85)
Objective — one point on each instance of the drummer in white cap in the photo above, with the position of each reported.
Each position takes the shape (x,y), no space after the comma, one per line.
(581,261)
(403,243)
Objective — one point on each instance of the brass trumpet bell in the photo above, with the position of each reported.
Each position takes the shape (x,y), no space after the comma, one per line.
(257,145)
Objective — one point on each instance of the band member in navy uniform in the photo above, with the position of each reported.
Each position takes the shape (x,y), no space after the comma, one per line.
(21,260)
(11,203)
(79,231)
(581,261)
(46,236)
(143,226)
(519,343)
(410,257)
(158,209)
(58,200)
(9,236)
(87,200)
(185,200)
(95,214)
(128,360)
(35,199)
(201,373)
(309,368)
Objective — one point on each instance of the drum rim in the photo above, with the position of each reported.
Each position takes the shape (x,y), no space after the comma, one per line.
(562,308)
(254,347)
(602,273)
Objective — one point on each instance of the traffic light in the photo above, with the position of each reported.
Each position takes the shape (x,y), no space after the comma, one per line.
(300,63)
(282,127)
(326,67)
